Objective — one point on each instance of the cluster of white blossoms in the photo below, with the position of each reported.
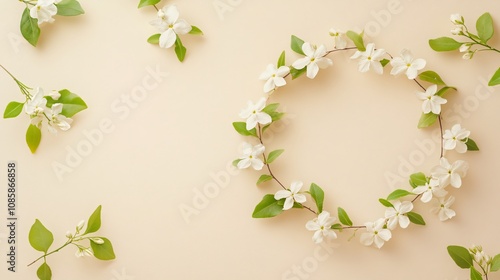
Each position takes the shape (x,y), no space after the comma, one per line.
(169,25)
(44,10)
(41,115)
(460,29)
(396,215)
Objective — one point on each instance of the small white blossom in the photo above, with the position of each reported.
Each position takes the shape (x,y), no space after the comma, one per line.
(69,234)
(376,233)
(80,226)
(84,252)
(407,64)
(37,104)
(292,195)
(429,190)
(457,19)
(97,240)
(322,227)
(455,138)
(465,47)
(313,60)
(432,102)
(468,55)
(57,120)
(370,58)
(274,77)
(251,156)
(481,257)
(442,208)
(339,39)
(458,30)
(169,24)
(43,11)
(54,94)
(448,173)
(254,115)
(397,215)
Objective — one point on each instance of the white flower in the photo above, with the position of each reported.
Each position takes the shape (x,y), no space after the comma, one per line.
(313,61)
(407,64)
(457,19)
(432,102)
(274,77)
(448,173)
(54,94)
(480,256)
(370,58)
(292,195)
(376,234)
(56,120)
(37,104)
(442,208)
(84,252)
(459,30)
(254,115)
(339,39)
(468,55)
(251,156)
(397,214)
(69,234)
(322,227)
(465,47)
(43,11)
(455,138)
(429,189)
(170,25)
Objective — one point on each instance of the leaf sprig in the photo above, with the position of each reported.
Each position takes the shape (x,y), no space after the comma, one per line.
(475,259)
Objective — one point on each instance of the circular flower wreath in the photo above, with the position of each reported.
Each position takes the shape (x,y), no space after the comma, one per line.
(399,203)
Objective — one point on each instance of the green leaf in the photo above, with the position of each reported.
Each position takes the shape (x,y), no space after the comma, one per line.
(281,60)
(318,195)
(397,194)
(357,39)
(103,251)
(274,155)
(495,263)
(40,237)
(33,137)
(384,62)
(69,8)
(495,80)
(236,161)
(297,72)
(337,227)
(267,208)
(427,120)
(144,3)
(431,77)
(195,30)
(276,116)
(94,223)
(460,255)
(264,178)
(471,145)
(44,272)
(13,110)
(484,27)
(270,108)
(241,128)
(444,44)
(416,218)
(343,217)
(443,90)
(29,28)
(474,274)
(180,50)
(154,39)
(385,202)
(418,179)
(296,45)
(72,103)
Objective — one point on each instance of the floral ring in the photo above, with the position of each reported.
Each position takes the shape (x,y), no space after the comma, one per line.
(398,204)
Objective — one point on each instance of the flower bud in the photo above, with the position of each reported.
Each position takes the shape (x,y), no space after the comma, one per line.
(80,226)
(465,47)
(457,30)
(97,240)
(69,234)
(457,19)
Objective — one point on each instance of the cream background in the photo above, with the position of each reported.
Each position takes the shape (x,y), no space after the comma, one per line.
(345,131)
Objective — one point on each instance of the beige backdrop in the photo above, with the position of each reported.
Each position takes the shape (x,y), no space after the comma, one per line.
(151,157)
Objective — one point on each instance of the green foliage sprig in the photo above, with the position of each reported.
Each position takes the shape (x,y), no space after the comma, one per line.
(41,240)
(52,110)
(170,27)
(39,11)
(475,259)
(474,43)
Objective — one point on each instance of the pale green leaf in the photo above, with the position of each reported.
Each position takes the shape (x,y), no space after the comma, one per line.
(264,178)
(416,218)
(267,208)
(418,179)
(471,145)
(33,137)
(44,272)
(144,3)
(40,237)
(29,28)
(495,79)
(180,50)
(13,110)
(195,30)
(398,194)
(385,202)
(274,155)
(103,251)
(427,120)
(240,127)
(297,72)
(474,274)
(94,223)
(343,217)
(443,90)
(460,255)
(357,39)
(484,27)
(431,77)
(296,45)
(318,195)
(281,60)
(495,263)
(72,103)
(154,39)
(443,44)
(69,8)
